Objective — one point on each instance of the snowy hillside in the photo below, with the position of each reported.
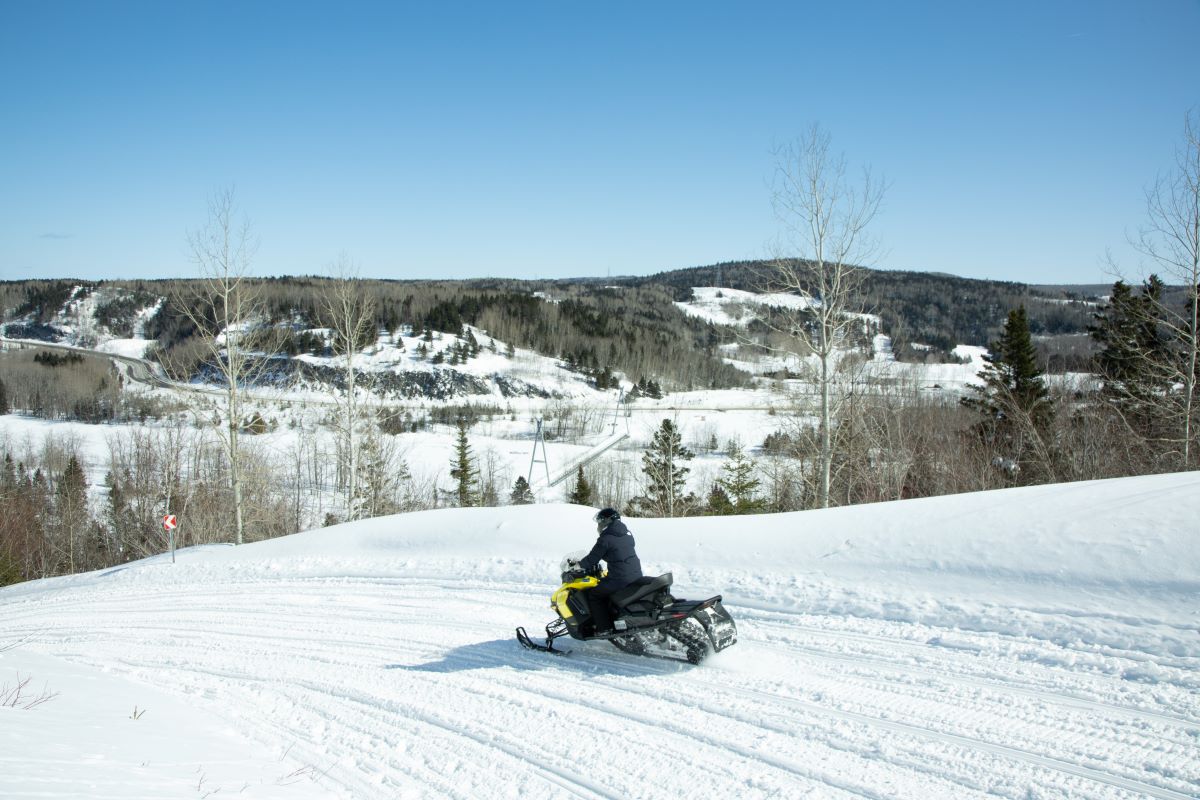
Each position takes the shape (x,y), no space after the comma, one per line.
(735,307)
(1027,643)
(406,365)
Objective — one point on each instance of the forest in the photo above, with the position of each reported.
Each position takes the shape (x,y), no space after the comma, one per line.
(897,442)
(1136,411)
(624,324)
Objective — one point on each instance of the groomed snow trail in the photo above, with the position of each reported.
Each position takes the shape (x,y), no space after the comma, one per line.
(402,679)
(383,701)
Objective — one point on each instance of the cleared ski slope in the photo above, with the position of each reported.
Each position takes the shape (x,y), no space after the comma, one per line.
(1034,643)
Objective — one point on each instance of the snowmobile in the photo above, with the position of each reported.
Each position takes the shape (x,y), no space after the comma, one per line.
(648,620)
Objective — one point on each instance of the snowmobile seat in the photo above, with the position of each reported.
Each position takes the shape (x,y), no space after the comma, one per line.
(642,587)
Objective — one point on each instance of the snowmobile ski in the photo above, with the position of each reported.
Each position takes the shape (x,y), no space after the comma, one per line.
(548,647)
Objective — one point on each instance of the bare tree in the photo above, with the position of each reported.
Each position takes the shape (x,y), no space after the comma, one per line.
(1171,239)
(825,218)
(224,308)
(351,315)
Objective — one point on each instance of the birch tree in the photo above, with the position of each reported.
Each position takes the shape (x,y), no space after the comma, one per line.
(824,241)
(1171,240)
(350,312)
(223,307)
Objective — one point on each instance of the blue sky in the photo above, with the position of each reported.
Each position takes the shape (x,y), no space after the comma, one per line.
(542,140)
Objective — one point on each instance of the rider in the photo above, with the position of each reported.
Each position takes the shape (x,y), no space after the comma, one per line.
(615,547)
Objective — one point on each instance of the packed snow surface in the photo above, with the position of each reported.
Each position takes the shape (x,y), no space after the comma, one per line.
(1028,643)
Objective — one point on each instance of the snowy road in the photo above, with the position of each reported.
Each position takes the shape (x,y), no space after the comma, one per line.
(404,680)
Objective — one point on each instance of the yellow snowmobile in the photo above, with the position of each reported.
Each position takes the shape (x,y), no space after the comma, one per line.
(648,620)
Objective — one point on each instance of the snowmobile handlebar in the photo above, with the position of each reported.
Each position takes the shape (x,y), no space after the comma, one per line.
(574,572)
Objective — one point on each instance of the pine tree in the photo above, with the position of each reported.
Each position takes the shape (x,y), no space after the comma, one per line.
(719,503)
(581,495)
(1012,380)
(73,484)
(8,474)
(666,474)
(463,469)
(4,408)
(70,506)
(1130,342)
(740,484)
(521,493)
(1013,400)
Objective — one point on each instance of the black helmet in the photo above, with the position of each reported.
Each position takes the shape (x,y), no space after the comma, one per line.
(604,517)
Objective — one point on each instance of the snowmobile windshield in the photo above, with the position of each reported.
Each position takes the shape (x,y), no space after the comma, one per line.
(571,560)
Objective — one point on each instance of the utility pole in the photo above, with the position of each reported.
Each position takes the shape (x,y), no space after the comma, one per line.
(539,439)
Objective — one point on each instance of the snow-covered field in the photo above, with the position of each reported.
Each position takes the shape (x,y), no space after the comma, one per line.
(1027,643)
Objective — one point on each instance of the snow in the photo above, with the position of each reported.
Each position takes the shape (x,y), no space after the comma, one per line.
(403,355)
(405,351)
(735,307)
(1026,643)
(129,348)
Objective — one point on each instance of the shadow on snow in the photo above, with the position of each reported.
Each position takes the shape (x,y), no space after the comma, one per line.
(585,657)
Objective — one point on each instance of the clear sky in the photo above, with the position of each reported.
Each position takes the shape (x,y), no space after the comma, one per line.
(566,139)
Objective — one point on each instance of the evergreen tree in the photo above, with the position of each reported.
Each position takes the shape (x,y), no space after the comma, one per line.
(1013,400)
(582,494)
(740,484)
(463,469)
(72,487)
(719,503)
(1130,343)
(604,378)
(8,476)
(11,528)
(10,572)
(4,408)
(521,493)
(1012,380)
(70,508)
(666,474)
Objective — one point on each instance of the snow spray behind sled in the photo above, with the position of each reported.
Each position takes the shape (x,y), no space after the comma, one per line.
(648,620)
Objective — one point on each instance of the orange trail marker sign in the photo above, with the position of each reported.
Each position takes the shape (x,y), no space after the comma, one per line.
(170,523)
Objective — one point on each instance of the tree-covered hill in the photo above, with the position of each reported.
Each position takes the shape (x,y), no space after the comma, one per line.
(597,326)
(930,309)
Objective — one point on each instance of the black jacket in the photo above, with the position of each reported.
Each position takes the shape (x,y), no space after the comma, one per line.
(615,548)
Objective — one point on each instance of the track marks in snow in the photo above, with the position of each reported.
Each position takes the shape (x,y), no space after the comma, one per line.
(966,757)
(395,685)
